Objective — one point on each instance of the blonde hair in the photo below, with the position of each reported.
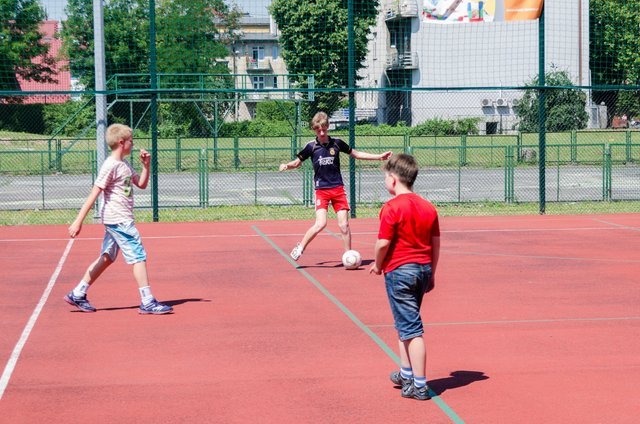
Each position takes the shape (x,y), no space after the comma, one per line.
(320,119)
(116,133)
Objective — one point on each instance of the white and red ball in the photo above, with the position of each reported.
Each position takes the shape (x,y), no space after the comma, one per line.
(351,259)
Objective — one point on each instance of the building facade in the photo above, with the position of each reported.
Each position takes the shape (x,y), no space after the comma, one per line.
(423,66)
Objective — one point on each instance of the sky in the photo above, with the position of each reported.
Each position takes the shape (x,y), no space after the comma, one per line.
(55,8)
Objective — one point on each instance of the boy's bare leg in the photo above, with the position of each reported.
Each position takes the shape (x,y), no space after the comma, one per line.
(417,354)
(96,269)
(345,229)
(316,228)
(140,274)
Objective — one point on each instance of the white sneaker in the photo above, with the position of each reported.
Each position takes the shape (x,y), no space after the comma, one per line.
(296,252)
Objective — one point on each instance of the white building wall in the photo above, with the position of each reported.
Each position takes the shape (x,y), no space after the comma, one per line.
(488,54)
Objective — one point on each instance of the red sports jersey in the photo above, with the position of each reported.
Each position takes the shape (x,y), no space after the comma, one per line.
(409,222)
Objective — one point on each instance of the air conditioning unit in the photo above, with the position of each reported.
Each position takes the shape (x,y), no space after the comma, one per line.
(486,102)
(515,102)
(501,102)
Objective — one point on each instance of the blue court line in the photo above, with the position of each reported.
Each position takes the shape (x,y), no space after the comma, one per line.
(434,397)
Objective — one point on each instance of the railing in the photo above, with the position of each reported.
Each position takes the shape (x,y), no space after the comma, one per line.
(450,172)
(403,60)
(260,65)
(401,9)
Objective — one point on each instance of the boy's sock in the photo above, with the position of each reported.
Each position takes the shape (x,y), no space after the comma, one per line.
(420,381)
(406,373)
(81,289)
(145,295)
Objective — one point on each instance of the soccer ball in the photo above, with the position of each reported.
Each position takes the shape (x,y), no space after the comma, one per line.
(351,259)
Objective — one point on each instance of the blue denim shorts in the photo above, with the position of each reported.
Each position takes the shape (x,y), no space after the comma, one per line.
(123,237)
(405,290)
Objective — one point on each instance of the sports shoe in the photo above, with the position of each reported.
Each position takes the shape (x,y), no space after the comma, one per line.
(296,252)
(413,392)
(155,308)
(397,379)
(79,302)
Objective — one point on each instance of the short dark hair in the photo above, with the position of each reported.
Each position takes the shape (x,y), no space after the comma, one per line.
(404,166)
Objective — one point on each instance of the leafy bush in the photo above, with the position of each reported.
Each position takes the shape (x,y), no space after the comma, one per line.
(565,107)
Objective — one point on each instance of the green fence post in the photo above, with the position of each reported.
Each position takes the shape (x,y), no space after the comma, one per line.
(463,143)
(50,158)
(406,143)
(255,177)
(178,154)
(607,173)
(59,155)
(574,146)
(202,177)
(508,174)
(294,145)
(460,161)
(236,153)
(558,172)
(627,138)
(42,177)
(307,185)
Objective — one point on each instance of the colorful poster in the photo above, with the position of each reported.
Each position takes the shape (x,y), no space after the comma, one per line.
(460,11)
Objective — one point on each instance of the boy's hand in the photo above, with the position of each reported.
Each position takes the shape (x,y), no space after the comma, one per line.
(283,167)
(145,157)
(75,228)
(374,269)
(386,155)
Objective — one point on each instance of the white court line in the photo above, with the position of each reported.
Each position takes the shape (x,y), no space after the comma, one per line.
(13,359)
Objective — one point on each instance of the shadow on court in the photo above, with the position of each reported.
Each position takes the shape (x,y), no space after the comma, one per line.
(167,302)
(456,379)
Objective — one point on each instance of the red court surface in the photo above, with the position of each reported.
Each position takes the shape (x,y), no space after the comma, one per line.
(534,319)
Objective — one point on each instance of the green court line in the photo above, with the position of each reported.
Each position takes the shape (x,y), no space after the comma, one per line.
(434,397)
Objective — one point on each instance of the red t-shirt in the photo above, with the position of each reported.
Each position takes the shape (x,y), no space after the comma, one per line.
(409,222)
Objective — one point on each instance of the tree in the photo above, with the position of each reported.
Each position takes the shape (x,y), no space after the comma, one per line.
(187,42)
(614,47)
(565,107)
(314,41)
(21,43)
(126,38)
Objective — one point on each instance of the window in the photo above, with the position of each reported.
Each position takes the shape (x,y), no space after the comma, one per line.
(275,52)
(258,83)
(257,52)
(275,82)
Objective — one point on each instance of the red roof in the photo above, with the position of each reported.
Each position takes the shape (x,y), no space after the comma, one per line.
(63,76)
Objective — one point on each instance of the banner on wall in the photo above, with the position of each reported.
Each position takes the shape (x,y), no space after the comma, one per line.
(460,11)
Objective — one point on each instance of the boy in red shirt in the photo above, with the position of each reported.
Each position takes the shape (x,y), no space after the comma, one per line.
(407,253)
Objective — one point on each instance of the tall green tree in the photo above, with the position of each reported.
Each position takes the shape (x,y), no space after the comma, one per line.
(20,43)
(565,107)
(314,41)
(614,51)
(187,42)
(126,38)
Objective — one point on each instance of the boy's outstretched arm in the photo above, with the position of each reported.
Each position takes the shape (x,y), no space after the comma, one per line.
(370,156)
(291,165)
(76,225)
(145,159)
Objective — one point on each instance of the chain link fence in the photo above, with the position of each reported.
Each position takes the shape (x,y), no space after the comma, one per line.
(536,114)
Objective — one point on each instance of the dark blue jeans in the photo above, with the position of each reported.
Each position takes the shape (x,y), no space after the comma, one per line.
(405,289)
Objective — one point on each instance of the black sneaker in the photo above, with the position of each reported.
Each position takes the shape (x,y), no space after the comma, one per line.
(79,302)
(397,379)
(418,393)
